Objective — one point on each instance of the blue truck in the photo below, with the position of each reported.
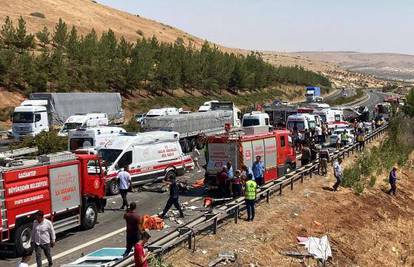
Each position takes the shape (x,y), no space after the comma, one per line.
(312,93)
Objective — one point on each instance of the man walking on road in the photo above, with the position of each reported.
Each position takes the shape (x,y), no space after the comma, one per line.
(337,174)
(250,197)
(258,169)
(393,181)
(124,179)
(43,238)
(133,232)
(173,199)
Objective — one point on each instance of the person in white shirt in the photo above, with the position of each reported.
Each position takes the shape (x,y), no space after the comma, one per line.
(196,155)
(124,179)
(43,238)
(337,174)
(25,261)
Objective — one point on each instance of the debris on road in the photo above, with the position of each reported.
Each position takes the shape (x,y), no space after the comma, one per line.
(226,257)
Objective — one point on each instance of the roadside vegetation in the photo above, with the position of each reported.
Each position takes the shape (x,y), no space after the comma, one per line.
(394,150)
(46,142)
(60,60)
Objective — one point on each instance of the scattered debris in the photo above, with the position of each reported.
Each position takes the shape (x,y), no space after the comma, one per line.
(295,254)
(226,257)
(318,247)
(156,188)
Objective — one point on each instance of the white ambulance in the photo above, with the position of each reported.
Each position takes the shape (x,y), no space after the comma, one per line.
(149,157)
(84,121)
(92,138)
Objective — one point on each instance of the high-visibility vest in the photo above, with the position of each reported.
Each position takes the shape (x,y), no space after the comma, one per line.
(250,193)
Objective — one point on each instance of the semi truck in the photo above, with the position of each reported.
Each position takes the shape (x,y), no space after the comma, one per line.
(278,114)
(275,148)
(45,111)
(193,127)
(63,185)
(312,93)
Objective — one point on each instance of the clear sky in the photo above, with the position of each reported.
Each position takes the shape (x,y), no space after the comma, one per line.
(288,25)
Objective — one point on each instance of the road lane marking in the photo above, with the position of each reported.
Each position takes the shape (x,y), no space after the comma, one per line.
(70,251)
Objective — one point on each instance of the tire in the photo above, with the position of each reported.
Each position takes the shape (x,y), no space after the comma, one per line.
(113,188)
(170,175)
(22,239)
(89,216)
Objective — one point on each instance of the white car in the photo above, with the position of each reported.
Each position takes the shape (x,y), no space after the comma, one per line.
(333,138)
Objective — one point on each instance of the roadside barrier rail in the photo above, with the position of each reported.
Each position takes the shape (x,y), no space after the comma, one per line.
(215,217)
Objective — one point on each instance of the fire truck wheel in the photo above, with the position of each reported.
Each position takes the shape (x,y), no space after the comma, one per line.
(113,188)
(89,216)
(22,238)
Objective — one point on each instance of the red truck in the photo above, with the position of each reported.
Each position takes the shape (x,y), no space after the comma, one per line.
(68,188)
(275,148)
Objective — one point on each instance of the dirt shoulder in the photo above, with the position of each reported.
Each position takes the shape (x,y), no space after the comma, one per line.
(374,229)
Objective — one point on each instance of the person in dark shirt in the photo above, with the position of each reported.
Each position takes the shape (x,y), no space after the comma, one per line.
(173,199)
(133,231)
(222,178)
(393,181)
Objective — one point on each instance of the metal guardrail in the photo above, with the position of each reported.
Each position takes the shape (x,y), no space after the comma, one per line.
(215,217)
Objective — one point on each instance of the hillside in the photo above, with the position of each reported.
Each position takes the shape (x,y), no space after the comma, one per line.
(383,65)
(88,14)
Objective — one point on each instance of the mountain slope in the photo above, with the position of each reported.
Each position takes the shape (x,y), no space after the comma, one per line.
(87,14)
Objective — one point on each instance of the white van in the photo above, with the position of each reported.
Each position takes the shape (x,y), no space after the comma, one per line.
(84,121)
(149,156)
(206,106)
(95,138)
(302,121)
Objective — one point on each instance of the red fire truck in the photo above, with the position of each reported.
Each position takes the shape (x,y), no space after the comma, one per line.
(275,148)
(68,188)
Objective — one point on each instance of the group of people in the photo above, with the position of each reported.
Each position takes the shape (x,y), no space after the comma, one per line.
(232,183)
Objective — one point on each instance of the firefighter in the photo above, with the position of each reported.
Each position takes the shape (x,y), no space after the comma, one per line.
(173,199)
(250,197)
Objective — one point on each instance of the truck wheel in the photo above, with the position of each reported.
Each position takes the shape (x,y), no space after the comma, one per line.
(170,175)
(89,216)
(22,239)
(113,188)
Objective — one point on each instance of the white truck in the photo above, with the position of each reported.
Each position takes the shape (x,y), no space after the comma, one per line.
(193,127)
(256,122)
(44,111)
(149,156)
(92,138)
(206,106)
(84,121)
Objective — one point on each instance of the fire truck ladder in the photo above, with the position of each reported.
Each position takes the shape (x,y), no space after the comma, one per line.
(4,224)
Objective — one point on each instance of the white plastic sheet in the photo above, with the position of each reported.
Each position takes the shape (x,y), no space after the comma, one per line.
(318,247)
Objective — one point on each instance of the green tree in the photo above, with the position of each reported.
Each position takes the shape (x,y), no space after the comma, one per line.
(44,38)
(8,33)
(22,40)
(60,35)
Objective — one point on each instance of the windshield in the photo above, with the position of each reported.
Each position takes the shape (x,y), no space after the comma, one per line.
(23,117)
(323,117)
(300,125)
(251,122)
(109,155)
(152,115)
(70,126)
(77,143)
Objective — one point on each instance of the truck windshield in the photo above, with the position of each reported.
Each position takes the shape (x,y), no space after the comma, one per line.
(76,143)
(109,155)
(23,117)
(70,126)
(300,125)
(251,122)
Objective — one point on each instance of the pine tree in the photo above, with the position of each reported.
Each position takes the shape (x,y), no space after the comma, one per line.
(8,33)
(22,40)
(60,35)
(44,38)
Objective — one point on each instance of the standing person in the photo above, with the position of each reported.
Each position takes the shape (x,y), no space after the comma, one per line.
(140,257)
(361,139)
(222,178)
(323,161)
(196,155)
(337,174)
(230,176)
(236,184)
(133,222)
(173,199)
(258,169)
(319,135)
(250,197)
(392,179)
(124,180)
(43,238)
(306,156)
(230,172)
(24,261)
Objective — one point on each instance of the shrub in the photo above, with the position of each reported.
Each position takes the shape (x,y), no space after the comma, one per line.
(38,14)
(132,126)
(140,32)
(46,142)
(5,113)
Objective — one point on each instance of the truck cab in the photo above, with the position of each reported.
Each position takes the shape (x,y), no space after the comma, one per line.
(237,115)
(312,93)
(84,121)
(30,118)
(255,122)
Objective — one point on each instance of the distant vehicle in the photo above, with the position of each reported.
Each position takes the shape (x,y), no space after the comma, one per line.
(92,138)
(84,121)
(140,117)
(193,127)
(303,121)
(318,105)
(333,138)
(319,99)
(156,112)
(44,111)
(278,114)
(206,106)
(256,122)
(383,110)
(328,115)
(149,156)
(311,93)
(344,93)
(185,112)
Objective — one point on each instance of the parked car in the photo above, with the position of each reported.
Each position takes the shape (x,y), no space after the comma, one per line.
(333,138)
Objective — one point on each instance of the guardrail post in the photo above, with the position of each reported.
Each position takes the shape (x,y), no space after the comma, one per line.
(268,196)
(301,178)
(310,173)
(215,226)
(190,241)
(291,183)
(280,190)
(236,214)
